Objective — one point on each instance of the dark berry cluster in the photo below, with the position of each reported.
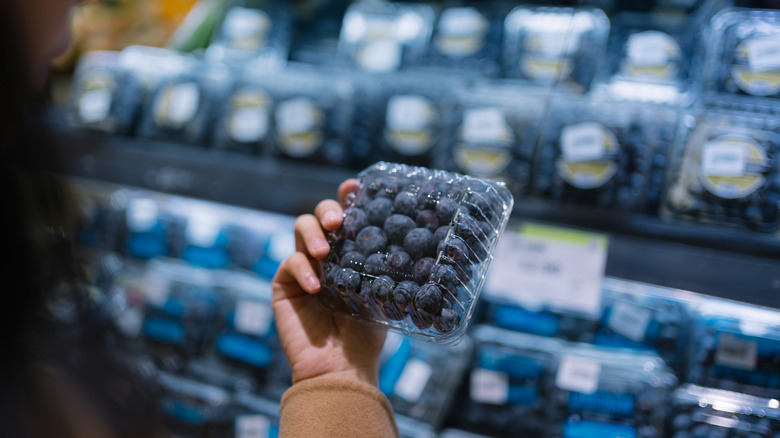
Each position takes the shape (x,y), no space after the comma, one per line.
(412,247)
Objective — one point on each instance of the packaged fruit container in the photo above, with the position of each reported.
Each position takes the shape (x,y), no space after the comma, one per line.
(414,249)
(727,171)
(550,45)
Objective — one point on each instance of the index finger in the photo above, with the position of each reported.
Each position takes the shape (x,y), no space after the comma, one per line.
(349,186)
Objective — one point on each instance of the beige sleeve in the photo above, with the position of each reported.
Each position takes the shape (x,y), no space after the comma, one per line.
(335,408)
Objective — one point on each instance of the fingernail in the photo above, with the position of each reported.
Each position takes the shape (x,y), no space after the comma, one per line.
(330,217)
(320,245)
(311,283)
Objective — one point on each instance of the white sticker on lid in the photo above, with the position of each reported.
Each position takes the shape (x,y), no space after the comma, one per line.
(252,426)
(488,386)
(380,55)
(736,353)
(484,125)
(295,116)
(413,380)
(462,21)
(723,158)
(183,102)
(583,142)
(408,113)
(649,49)
(253,318)
(156,289)
(763,53)
(630,321)
(95,105)
(141,215)
(248,125)
(578,374)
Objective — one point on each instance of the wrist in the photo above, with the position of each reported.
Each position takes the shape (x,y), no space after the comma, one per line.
(363,375)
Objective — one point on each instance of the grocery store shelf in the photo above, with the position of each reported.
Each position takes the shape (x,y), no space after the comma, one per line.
(720,261)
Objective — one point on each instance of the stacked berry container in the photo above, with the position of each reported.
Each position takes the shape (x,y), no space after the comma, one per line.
(414,249)
(727,171)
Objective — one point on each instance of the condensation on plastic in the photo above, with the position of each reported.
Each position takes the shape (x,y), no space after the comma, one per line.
(743,191)
(484,207)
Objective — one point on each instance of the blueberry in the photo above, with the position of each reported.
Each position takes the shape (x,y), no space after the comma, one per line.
(382,287)
(419,243)
(355,220)
(347,281)
(421,320)
(428,219)
(429,299)
(456,251)
(371,239)
(406,203)
(394,248)
(455,191)
(445,275)
(331,273)
(447,321)
(347,245)
(483,204)
(396,226)
(378,210)
(353,260)
(399,264)
(377,188)
(468,229)
(376,265)
(441,233)
(446,209)
(403,294)
(429,193)
(421,271)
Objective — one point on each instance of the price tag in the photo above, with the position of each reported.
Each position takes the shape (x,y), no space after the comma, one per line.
(484,125)
(583,142)
(629,321)
(295,116)
(408,113)
(578,374)
(253,318)
(202,232)
(252,426)
(488,386)
(736,353)
(413,380)
(248,125)
(461,21)
(184,100)
(141,215)
(560,268)
(95,105)
(156,289)
(380,55)
(649,49)
(723,158)
(764,53)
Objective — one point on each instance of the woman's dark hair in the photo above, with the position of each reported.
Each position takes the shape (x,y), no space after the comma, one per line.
(55,343)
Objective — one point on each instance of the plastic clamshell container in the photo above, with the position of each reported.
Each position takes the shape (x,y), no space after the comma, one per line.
(715,412)
(549,45)
(726,171)
(743,59)
(414,249)
(383,37)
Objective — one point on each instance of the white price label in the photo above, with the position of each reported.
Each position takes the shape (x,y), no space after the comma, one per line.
(295,116)
(380,55)
(649,49)
(95,105)
(764,53)
(484,125)
(630,321)
(488,386)
(252,426)
(156,289)
(560,268)
(723,158)
(248,125)
(413,380)
(183,104)
(253,318)
(736,353)
(583,142)
(462,21)
(578,374)
(141,215)
(408,113)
